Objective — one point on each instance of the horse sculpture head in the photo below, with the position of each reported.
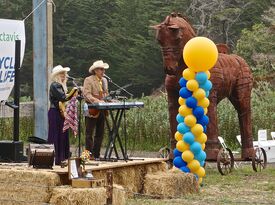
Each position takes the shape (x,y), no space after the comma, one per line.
(172,34)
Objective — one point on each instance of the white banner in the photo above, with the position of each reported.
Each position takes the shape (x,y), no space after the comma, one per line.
(10,30)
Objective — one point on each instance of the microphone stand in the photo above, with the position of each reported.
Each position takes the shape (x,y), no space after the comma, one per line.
(79,99)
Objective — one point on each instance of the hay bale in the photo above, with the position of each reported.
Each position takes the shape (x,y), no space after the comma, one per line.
(119,195)
(132,177)
(66,195)
(170,184)
(26,186)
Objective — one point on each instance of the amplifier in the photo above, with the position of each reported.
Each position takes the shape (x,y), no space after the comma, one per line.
(11,151)
(41,155)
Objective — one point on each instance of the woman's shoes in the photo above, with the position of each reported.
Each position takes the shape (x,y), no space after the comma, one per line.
(64,164)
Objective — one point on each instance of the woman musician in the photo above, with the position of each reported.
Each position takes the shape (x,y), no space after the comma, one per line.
(58,97)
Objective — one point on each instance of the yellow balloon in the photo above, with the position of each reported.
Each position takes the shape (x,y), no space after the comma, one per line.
(181,101)
(204,102)
(188,74)
(200,180)
(205,110)
(194,165)
(190,120)
(184,110)
(192,85)
(203,146)
(182,146)
(197,129)
(178,136)
(199,94)
(200,54)
(202,138)
(208,74)
(187,156)
(200,172)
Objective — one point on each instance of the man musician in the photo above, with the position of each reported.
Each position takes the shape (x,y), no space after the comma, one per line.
(95,88)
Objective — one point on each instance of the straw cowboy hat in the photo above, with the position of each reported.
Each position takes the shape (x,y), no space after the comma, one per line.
(98,64)
(59,69)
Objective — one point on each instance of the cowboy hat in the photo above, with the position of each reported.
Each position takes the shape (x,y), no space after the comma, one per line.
(98,64)
(59,69)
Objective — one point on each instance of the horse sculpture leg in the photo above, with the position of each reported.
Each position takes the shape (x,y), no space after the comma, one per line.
(241,101)
(173,95)
(212,144)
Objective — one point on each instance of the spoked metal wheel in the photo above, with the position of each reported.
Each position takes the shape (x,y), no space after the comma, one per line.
(164,152)
(225,161)
(259,159)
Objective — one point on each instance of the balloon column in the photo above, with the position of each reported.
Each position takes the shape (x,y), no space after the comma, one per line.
(200,54)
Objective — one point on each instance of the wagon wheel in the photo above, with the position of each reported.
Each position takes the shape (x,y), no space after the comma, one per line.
(164,152)
(225,161)
(259,159)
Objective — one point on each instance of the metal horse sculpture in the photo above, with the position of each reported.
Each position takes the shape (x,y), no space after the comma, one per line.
(231,78)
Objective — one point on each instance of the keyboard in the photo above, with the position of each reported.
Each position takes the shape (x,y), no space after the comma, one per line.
(116,105)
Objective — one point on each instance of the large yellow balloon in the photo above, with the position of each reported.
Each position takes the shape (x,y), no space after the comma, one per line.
(197,129)
(181,101)
(199,94)
(192,85)
(200,54)
(178,136)
(187,156)
(182,146)
(184,110)
(190,120)
(202,138)
(200,172)
(188,74)
(194,165)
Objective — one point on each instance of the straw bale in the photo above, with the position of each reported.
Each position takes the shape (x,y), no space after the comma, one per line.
(65,195)
(170,184)
(26,186)
(119,195)
(132,177)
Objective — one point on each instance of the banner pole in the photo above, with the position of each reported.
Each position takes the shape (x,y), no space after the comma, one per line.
(16,90)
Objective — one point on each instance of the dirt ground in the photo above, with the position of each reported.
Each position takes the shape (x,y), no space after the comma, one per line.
(242,186)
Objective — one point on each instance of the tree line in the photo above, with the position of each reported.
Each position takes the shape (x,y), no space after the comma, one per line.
(118,31)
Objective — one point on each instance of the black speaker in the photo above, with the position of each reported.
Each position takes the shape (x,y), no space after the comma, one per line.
(11,151)
(41,156)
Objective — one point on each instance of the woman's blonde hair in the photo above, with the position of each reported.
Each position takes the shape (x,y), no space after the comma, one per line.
(57,78)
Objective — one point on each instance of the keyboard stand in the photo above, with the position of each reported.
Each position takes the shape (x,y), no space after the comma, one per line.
(113,134)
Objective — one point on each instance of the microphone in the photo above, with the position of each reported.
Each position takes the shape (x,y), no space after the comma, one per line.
(107,77)
(70,78)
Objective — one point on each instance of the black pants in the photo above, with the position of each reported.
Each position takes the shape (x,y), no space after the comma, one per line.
(94,125)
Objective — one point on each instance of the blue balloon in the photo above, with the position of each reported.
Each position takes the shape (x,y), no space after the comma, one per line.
(198,112)
(201,77)
(180,118)
(185,169)
(191,102)
(185,93)
(204,120)
(204,128)
(177,153)
(189,138)
(206,86)
(182,82)
(202,163)
(207,94)
(183,128)
(195,148)
(201,156)
(178,162)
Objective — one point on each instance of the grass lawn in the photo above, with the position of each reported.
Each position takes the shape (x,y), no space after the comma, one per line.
(242,186)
